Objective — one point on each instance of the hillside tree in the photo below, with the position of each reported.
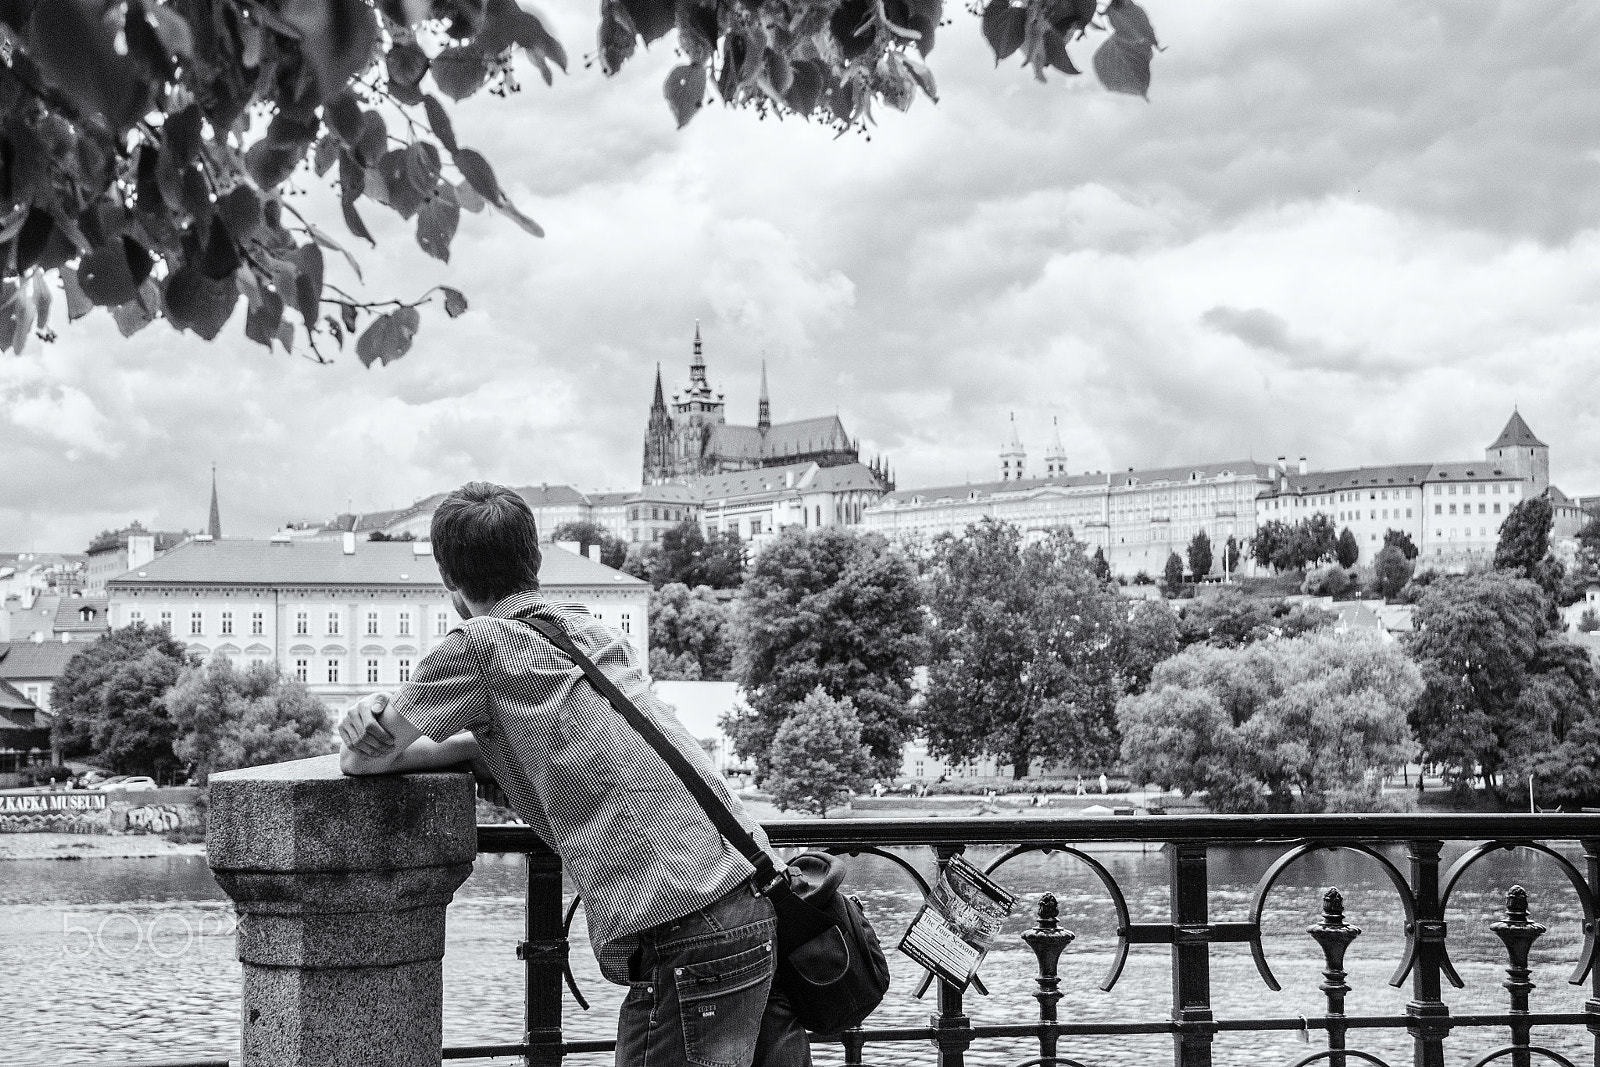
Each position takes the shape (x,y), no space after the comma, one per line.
(110,701)
(613,551)
(1347,550)
(1392,569)
(1029,651)
(691,635)
(817,758)
(1200,555)
(227,718)
(686,555)
(152,144)
(1525,537)
(1172,574)
(831,608)
(1402,540)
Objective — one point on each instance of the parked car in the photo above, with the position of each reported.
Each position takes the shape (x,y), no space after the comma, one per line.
(110,783)
(136,784)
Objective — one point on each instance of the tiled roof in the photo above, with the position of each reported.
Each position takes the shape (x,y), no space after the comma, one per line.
(23,660)
(801,437)
(1360,477)
(388,563)
(1517,435)
(1470,471)
(69,614)
(546,496)
(1117,479)
(11,699)
(806,477)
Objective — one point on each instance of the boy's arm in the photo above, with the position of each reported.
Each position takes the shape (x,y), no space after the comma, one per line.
(378,741)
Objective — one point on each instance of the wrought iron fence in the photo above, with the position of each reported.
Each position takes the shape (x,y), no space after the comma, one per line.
(1423,893)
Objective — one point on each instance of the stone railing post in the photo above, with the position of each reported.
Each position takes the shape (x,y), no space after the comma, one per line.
(341,886)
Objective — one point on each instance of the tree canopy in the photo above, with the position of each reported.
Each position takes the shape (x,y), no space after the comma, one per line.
(1301,723)
(612,551)
(1525,536)
(227,718)
(1232,618)
(829,608)
(110,701)
(817,756)
(690,634)
(1029,651)
(1294,546)
(148,147)
(686,555)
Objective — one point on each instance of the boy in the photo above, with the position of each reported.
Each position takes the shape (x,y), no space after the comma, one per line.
(669,903)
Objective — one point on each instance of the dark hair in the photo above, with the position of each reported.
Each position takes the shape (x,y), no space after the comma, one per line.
(485,542)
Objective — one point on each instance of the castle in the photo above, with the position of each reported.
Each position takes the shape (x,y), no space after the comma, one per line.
(693,438)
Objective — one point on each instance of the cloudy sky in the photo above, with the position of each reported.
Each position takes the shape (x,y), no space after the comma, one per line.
(1358,231)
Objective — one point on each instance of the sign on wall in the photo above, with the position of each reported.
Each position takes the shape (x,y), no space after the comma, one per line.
(46,803)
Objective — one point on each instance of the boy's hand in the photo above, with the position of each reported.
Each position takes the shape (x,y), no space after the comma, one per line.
(360,729)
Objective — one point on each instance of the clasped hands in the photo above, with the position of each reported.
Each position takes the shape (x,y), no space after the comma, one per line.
(361,730)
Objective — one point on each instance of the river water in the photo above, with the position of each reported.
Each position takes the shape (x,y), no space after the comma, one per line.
(135,958)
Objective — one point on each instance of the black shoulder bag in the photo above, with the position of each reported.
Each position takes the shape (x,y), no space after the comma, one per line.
(830,964)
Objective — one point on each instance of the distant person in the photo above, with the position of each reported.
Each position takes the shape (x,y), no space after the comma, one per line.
(1104,785)
(1081,790)
(662,891)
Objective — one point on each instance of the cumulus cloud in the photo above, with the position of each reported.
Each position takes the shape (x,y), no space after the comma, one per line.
(1354,229)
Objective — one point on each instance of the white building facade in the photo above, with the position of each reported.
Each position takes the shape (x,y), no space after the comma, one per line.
(346,617)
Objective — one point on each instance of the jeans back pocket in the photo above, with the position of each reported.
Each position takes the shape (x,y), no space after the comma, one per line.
(720,1004)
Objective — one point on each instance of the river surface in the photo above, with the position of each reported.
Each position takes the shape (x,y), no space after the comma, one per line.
(135,958)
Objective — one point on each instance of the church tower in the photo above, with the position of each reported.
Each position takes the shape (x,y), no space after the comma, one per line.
(1013,458)
(1055,457)
(694,412)
(1518,450)
(658,439)
(763,406)
(214,521)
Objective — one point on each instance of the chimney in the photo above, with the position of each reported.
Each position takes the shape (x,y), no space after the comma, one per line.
(594,553)
(1302,464)
(1283,464)
(349,544)
(422,548)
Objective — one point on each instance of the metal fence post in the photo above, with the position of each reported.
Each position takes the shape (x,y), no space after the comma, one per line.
(1191,955)
(545,956)
(1518,935)
(1334,935)
(1047,940)
(1430,1016)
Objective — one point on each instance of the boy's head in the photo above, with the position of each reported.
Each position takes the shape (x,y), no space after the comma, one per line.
(486,543)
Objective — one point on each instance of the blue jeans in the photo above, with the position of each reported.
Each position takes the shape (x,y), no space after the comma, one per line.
(702,993)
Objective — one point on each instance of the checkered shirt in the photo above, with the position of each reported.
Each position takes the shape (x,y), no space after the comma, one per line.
(639,847)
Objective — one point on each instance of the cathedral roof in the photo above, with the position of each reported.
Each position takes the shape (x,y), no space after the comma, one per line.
(1517,435)
(791,478)
(799,438)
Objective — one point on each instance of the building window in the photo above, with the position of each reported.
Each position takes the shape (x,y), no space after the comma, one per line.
(1497,507)
(227,622)
(1438,509)
(1452,509)
(333,623)
(372,624)
(1408,510)
(405,670)
(655,513)
(166,621)
(302,623)
(33,693)
(372,672)
(441,624)
(258,623)
(403,624)
(302,670)
(625,619)
(333,672)
(197,622)
(135,616)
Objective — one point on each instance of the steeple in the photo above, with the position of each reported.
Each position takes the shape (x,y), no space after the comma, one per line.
(763,406)
(1013,458)
(1055,457)
(699,388)
(214,524)
(660,402)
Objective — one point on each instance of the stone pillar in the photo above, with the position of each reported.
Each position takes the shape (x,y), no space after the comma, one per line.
(341,886)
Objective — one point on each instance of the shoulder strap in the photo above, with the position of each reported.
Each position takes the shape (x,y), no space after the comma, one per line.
(718,811)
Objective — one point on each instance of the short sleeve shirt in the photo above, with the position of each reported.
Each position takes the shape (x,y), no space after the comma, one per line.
(637,844)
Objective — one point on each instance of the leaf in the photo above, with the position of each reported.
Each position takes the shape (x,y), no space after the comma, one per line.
(468,197)
(388,337)
(436,225)
(685,90)
(131,317)
(652,18)
(347,315)
(326,154)
(21,310)
(329,243)
(439,122)
(697,29)
(852,26)
(352,219)
(171,28)
(805,88)
(455,304)
(104,276)
(422,167)
(459,71)
(479,174)
(923,76)
(286,335)
(406,64)
(1129,20)
(180,134)
(221,257)
(373,139)
(196,302)
(1123,66)
(241,213)
(336,38)
(515,214)
(42,299)
(75,48)
(262,321)
(399,192)
(616,36)
(308,282)
(78,302)
(1055,52)
(1004,27)
(271,164)
(343,115)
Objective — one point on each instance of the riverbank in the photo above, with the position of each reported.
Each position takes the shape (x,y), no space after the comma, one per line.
(47,846)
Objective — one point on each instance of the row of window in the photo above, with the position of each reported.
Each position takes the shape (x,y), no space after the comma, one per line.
(659,514)
(1355,516)
(226,625)
(332,669)
(1466,509)
(1466,490)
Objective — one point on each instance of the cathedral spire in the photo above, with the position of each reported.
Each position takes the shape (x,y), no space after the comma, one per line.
(763,406)
(660,402)
(699,388)
(214,524)
(1055,457)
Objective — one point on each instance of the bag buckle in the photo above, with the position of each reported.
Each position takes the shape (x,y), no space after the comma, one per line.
(779,876)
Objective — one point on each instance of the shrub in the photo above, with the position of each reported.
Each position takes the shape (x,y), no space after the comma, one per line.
(1329,581)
